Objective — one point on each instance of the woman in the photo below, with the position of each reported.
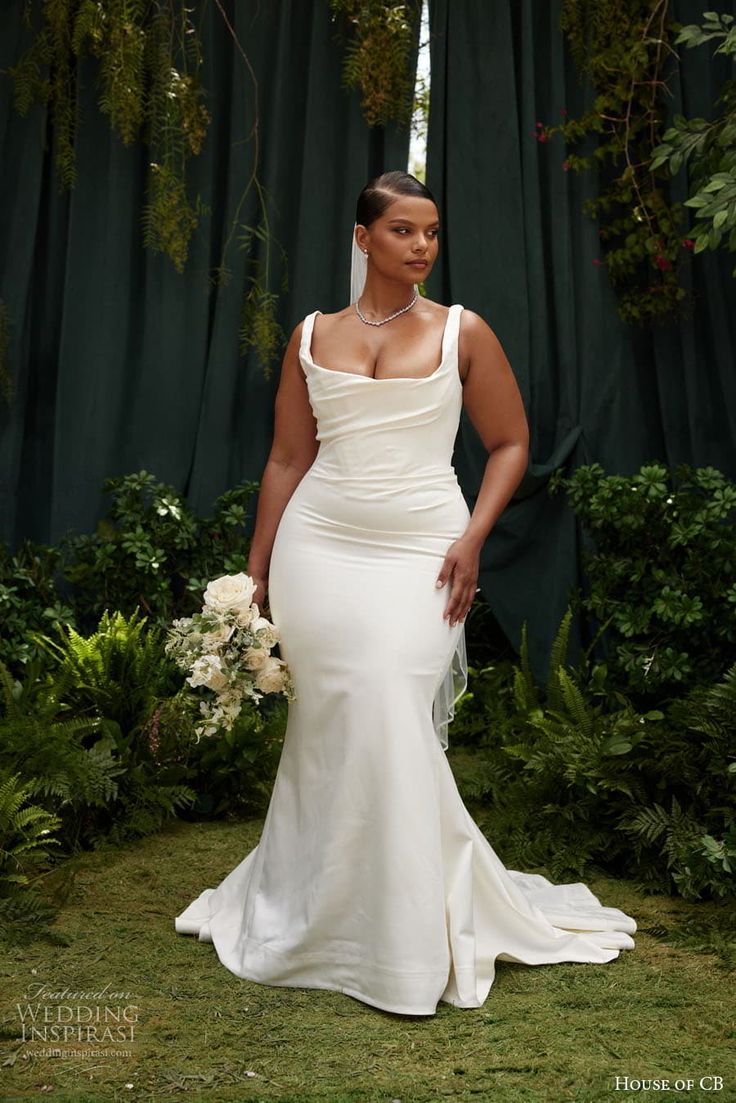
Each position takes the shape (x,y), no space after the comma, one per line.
(370,877)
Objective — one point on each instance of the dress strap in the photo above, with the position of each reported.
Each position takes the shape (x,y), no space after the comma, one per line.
(453,323)
(306,342)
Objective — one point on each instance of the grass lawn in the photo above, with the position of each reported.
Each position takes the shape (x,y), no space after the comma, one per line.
(546,1033)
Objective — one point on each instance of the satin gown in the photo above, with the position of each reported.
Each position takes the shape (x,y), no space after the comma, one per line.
(370,877)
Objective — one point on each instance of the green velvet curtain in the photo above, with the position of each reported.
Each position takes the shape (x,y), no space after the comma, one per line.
(122,363)
(517,249)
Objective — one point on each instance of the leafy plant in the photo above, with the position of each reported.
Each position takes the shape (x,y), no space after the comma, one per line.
(576,777)
(115,673)
(661,570)
(29,601)
(624,49)
(693,818)
(151,552)
(113,788)
(26,833)
(708,148)
(69,762)
(378,54)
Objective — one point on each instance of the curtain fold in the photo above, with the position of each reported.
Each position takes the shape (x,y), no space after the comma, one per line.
(518,249)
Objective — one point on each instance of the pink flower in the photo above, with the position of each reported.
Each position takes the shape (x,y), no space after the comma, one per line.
(688,243)
(662,263)
(566,165)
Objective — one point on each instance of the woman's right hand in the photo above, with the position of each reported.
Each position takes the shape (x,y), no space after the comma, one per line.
(260,594)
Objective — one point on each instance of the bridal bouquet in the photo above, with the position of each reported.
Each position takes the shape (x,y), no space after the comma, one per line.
(227,649)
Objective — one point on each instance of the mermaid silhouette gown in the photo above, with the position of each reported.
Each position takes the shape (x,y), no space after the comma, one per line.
(370,877)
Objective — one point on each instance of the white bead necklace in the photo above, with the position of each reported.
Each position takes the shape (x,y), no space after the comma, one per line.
(396,313)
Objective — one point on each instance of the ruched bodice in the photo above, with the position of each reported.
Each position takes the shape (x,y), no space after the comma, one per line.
(391,427)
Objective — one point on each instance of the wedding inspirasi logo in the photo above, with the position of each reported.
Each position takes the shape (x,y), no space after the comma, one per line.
(100,1017)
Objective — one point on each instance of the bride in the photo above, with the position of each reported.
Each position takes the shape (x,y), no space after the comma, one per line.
(370,877)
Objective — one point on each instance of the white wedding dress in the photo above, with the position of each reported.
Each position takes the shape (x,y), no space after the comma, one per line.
(370,877)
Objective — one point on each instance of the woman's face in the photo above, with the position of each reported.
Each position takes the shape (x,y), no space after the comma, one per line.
(404,234)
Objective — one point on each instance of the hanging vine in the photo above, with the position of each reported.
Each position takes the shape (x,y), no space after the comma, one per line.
(378,37)
(148,82)
(623,47)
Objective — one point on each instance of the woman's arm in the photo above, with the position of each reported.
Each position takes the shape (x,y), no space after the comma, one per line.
(495,407)
(292,453)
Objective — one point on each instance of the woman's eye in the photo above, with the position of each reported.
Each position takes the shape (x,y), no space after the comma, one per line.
(403,229)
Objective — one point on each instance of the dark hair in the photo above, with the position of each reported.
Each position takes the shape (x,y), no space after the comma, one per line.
(379,192)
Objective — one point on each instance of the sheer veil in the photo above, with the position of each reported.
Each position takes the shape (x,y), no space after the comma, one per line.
(358,269)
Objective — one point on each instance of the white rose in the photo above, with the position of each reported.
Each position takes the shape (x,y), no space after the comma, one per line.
(231,592)
(246,616)
(207,671)
(217,635)
(255,657)
(267,633)
(270,678)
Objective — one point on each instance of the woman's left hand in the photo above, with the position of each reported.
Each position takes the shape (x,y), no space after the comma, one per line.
(462,563)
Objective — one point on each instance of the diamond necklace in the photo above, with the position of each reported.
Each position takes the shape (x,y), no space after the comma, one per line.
(395,314)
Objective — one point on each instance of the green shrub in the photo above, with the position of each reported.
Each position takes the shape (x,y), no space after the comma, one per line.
(575,776)
(151,552)
(81,738)
(29,602)
(661,567)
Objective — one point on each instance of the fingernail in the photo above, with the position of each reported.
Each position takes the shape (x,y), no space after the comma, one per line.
(438,583)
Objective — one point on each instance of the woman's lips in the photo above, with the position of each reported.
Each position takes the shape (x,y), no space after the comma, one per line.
(417,263)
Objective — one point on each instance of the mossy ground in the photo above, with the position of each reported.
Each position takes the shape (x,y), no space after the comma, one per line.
(546,1033)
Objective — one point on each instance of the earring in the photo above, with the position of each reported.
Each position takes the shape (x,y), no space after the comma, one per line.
(366,252)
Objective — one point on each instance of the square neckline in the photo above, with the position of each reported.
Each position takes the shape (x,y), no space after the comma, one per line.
(307,352)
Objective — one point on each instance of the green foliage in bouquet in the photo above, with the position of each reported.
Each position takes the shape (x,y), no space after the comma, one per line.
(232,772)
(661,567)
(575,776)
